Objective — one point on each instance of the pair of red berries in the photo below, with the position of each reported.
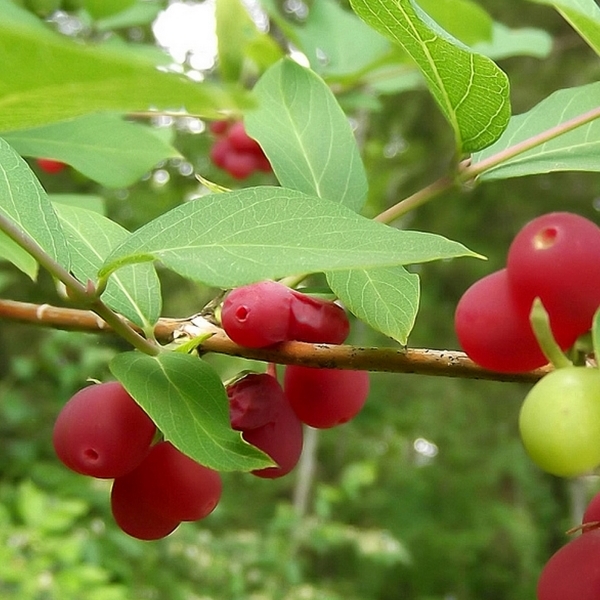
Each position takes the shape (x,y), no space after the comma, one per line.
(555,257)
(572,572)
(235,151)
(266,313)
(102,432)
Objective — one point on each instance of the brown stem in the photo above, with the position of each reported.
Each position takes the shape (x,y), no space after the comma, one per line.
(422,361)
(472,171)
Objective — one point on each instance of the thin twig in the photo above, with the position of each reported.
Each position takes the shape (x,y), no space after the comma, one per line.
(422,361)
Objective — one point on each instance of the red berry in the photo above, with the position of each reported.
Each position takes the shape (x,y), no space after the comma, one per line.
(219,127)
(172,485)
(240,165)
(241,141)
(263,164)
(557,257)
(220,151)
(101,431)
(324,398)
(317,321)
(51,166)
(572,573)
(254,401)
(281,439)
(135,516)
(493,327)
(592,512)
(265,313)
(258,314)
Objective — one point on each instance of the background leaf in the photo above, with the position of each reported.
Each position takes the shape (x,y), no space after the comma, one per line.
(463,19)
(186,399)
(140,13)
(40,84)
(25,203)
(387,298)
(506,42)
(105,148)
(584,17)
(576,150)
(234,28)
(87,201)
(306,135)
(134,291)
(104,8)
(472,92)
(349,47)
(232,238)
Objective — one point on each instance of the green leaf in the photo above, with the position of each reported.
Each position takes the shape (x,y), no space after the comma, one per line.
(506,42)
(140,13)
(234,28)
(349,45)
(105,8)
(472,92)
(25,204)
(13,253)
(306,135)
(583,16)
(463,19)
(47,77)
(387,298)
(234,238)
(576,150)
(105,148)
(184,396)
(134,291)
(87,201)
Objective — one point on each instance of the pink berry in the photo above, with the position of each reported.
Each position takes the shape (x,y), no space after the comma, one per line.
(101,431)
(281,439)
(572,573)
(50,165)
(220,151)
(254,401)
(557,258)
(219,127)
(324,398)
(135,516)
(241,141)
(172,485)
(317,321)
(258,314)
(493,327)
(240,165)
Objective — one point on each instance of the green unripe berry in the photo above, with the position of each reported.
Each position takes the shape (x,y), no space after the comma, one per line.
(560,421)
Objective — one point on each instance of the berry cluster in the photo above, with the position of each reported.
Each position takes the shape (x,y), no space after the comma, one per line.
(235,151)
(102,432)
(266,313)
(259,409)
(572,572)
(554,257)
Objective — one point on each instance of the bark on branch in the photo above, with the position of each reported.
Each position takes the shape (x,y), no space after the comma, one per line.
(422,361)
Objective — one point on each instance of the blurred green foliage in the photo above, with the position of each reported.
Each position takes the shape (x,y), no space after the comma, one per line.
(427,495)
